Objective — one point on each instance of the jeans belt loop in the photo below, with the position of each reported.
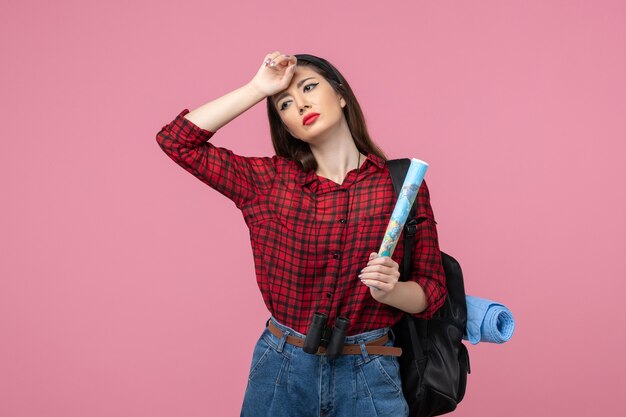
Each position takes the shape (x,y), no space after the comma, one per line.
(366,356)
(282,341)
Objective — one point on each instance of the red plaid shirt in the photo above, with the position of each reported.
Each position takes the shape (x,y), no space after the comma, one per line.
(311,236)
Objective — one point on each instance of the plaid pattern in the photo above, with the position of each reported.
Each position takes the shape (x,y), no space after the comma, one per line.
(311,236)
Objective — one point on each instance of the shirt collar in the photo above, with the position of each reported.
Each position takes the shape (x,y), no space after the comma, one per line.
(305,178)
(376,160)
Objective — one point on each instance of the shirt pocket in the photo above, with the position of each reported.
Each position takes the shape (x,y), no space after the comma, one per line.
(282,241)
(267,220)
(370,232)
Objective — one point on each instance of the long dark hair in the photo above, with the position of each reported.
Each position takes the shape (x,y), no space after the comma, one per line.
(292,148)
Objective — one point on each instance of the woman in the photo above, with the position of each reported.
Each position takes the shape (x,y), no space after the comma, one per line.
(317,212)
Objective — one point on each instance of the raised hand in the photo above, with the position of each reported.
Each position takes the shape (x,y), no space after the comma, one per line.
(275,73)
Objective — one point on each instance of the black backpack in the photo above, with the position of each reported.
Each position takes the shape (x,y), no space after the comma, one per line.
(434,362)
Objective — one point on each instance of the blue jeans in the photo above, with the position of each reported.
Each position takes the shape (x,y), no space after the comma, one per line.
(286,381)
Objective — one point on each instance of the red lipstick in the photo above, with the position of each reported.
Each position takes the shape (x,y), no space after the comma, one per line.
(309,118)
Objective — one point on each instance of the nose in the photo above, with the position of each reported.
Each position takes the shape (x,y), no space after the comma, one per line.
(302,106)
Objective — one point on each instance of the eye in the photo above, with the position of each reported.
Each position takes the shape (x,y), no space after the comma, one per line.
(305,89)
(282,106)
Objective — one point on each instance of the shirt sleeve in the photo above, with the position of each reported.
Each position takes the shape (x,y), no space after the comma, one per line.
(427,269)
(239,178)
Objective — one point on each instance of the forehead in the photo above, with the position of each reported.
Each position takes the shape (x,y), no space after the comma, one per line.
(303,71)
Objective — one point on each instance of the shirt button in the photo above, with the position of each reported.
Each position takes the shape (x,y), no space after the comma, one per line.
(336,254)
(329,294)
(342,221)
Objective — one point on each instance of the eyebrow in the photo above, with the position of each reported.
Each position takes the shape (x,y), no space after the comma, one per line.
(286,94)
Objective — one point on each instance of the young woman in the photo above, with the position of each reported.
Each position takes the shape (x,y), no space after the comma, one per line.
(317,212)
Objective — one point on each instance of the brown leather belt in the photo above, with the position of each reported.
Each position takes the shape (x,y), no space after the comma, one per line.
(373,347)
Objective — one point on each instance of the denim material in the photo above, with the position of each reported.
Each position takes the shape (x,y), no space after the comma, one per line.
(286,381)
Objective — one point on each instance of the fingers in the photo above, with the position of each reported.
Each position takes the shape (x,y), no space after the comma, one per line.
(270,57)
(275,73)
(380,281)
(379,285)
(374,259)
(381,273)
(279,61)
(379,268)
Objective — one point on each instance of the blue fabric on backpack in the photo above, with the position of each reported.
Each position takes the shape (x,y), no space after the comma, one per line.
(487,321)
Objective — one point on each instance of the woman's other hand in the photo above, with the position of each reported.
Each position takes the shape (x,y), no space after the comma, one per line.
(275,73)
(381,274)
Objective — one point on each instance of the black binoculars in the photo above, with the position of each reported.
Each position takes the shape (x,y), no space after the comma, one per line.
(321,335)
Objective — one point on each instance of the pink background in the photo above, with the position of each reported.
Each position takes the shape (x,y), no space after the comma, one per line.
(127,285)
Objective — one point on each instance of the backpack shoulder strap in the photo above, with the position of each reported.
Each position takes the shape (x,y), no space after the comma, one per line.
(398,169)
